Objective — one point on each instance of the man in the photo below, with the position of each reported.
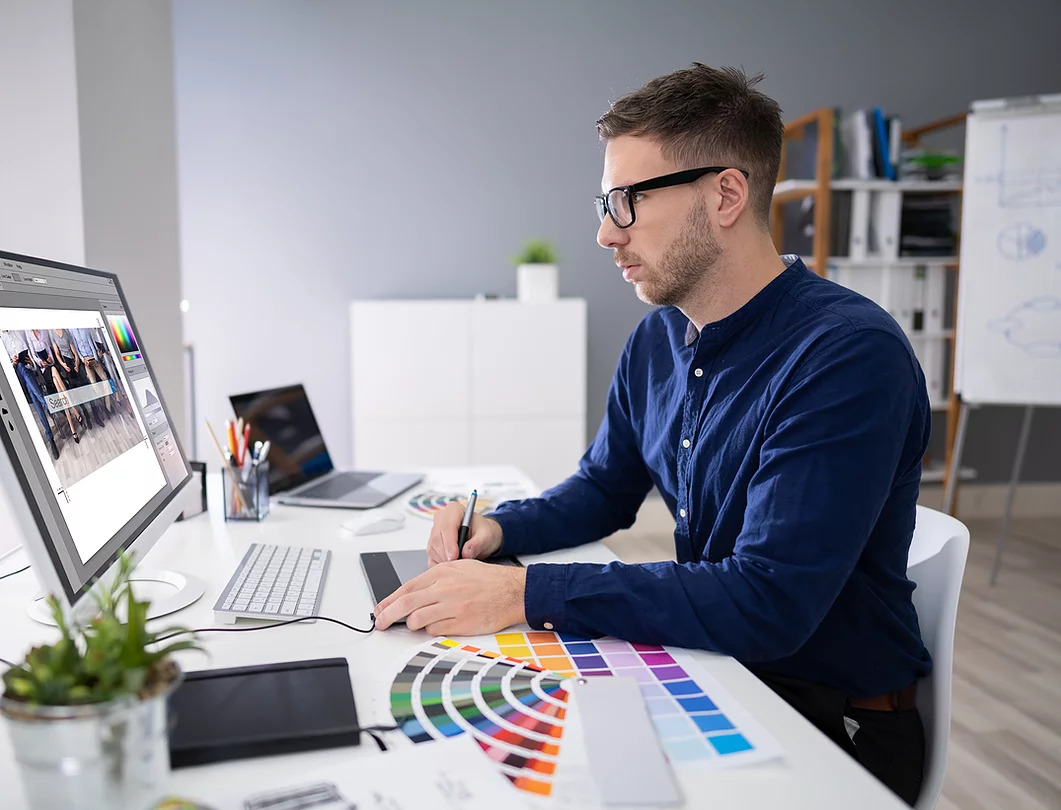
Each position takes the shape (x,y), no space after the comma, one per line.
(18,351)
(783,419)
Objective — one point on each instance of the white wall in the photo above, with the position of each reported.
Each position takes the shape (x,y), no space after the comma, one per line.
(40,169)
(40,180)
(127,121)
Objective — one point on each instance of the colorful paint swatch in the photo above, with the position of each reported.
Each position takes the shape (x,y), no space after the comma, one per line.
(426,504)
(123,333)
(514,710)
(690,725)
(514,702)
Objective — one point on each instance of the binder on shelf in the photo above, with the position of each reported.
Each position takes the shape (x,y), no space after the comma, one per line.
(882,159)
(917,297)
(895,144)
(935,297)
(866,280)
(859,247)
(886,209)
(930,353)
(898,294)
(856,140)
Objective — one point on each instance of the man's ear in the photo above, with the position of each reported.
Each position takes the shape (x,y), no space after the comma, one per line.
(734,190)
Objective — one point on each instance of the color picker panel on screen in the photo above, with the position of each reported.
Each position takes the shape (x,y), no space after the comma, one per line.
(123,333)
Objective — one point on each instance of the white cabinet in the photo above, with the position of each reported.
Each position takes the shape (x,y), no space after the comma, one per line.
(437,383)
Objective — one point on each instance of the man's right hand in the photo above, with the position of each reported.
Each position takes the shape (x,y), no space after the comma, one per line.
(484,536)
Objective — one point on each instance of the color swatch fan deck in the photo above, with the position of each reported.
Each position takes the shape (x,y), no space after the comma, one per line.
(514,702)
(426,504)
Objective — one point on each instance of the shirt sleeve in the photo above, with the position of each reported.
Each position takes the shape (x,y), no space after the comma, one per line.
(837,437)
(602,497)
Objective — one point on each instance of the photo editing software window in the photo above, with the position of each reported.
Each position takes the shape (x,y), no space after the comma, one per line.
(97,451)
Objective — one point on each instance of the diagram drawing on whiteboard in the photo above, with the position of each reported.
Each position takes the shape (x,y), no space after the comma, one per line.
(1034,327)
(1025,186)
(1020,241)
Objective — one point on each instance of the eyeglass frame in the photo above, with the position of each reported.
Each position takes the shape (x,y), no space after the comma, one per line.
(663,181)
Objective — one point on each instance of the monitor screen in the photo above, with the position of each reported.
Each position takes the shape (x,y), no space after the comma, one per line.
(86,430)
(297,452)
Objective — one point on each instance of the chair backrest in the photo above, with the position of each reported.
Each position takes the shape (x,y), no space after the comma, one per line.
(936,564)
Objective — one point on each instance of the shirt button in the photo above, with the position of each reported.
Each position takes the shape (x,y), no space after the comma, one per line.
(548,625)
(685,442)
(699,372)
(681,512)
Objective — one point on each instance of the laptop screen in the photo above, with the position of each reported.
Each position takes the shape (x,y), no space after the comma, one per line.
(283,417)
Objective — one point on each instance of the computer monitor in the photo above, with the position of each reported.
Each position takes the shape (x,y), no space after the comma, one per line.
(91,461)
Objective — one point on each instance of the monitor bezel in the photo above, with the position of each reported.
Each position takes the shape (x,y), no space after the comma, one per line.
(44,559)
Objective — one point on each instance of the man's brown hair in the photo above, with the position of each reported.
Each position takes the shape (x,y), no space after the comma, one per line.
(704,116)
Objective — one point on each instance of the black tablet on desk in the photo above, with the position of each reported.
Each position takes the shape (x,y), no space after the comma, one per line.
(221,714)
(386,571)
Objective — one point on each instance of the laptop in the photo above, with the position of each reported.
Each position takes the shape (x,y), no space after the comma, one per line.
(300,469)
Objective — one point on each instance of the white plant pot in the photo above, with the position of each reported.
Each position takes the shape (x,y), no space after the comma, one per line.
(536,283)
(111,755)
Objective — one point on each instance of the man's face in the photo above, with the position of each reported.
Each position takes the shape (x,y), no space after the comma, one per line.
(670,249)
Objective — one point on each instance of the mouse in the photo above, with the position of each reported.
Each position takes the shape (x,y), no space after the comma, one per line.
(374,524)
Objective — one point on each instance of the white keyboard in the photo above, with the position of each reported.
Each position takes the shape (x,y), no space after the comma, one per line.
(274,583)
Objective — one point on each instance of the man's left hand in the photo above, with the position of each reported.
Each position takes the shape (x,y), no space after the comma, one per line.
(459,598)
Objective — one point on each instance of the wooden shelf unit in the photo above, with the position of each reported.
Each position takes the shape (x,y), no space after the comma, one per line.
(821,125)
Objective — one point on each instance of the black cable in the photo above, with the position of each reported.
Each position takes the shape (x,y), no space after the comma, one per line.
(270,627)
(19,571)
(371,732)
(11,664)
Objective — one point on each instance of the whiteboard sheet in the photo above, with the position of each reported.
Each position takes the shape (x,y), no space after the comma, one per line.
(1009,290)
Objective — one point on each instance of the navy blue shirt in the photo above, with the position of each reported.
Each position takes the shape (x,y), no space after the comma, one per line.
(786,440)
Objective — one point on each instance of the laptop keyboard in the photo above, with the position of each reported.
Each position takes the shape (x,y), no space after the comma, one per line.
(338,485)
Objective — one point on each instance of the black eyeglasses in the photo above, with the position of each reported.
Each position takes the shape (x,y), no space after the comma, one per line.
(619,201)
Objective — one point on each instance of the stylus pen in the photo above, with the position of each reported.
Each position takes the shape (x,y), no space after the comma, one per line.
(462,534)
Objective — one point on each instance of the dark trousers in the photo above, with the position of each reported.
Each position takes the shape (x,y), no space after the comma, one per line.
(29,382)
(890,745)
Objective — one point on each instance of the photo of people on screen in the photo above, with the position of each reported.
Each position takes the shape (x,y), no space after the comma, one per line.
(83,408)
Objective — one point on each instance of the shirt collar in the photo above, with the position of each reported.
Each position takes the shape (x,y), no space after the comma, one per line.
(794,267)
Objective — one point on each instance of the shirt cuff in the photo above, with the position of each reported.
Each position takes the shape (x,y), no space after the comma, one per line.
(513,535)
(545,595)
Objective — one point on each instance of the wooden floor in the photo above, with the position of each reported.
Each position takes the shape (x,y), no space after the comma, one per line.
(1005,749)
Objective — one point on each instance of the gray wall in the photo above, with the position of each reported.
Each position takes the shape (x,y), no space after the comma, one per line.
(128,129)
(333,150)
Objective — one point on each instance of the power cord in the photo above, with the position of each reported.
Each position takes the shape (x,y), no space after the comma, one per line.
(12,573)
(11,664)
(372,618)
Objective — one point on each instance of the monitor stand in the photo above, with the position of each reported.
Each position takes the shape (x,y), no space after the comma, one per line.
(168,592)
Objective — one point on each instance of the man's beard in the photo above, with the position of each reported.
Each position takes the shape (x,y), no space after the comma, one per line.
(689,262)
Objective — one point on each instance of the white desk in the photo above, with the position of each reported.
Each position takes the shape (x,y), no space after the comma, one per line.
(813,774)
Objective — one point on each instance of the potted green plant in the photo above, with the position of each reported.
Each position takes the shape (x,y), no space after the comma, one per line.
(87,715)
(536,272)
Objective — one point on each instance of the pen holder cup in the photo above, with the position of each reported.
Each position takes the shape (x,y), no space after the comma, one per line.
(246,491)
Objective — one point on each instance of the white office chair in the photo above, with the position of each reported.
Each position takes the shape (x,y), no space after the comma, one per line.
(936,563)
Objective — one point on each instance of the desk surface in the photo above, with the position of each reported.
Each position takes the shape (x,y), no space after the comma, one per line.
(814,773)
